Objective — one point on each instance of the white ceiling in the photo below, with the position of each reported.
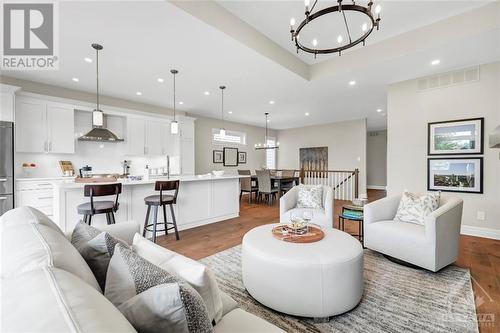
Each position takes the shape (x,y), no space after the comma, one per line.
(144,40)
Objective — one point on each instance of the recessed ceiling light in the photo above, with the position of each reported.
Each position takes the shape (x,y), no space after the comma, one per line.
(206,93)
(352,83)
(75,79)
(379,110)
(89,60)
(307,113)
(435,62)
(181,102)
(138,93)
(230,112)
(160,80)
(271,102)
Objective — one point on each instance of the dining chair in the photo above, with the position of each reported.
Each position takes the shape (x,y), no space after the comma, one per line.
(265,186)
(287,185)
(246,185)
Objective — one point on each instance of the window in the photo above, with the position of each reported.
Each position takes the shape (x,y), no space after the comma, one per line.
(230,137)
(271,154)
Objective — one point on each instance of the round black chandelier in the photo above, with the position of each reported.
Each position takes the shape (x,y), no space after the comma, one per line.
(341,8)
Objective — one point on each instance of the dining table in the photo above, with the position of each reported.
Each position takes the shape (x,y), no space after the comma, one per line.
(280,180)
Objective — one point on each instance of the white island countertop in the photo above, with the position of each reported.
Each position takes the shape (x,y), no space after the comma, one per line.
(70,183)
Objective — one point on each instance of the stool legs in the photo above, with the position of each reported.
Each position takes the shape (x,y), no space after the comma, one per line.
(154,222)
(155,219)
(146,222)
(174,221)
(165,219)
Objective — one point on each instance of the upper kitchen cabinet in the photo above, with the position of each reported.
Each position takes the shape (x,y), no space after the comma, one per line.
(136,136)
(187,128)
(44,127)
(7,99)
(149,137)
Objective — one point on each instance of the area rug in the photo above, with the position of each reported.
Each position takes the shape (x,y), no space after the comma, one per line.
(396,299)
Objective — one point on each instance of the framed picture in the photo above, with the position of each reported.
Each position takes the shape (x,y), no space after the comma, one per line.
(230,156)
(242,157)
(455,174)
(218,156)
(456,137)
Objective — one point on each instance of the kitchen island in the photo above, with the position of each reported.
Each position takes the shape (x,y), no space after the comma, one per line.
(201,200)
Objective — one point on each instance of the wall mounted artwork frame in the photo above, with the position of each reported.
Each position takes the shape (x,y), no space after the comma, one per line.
(456,137)
(242,157)
(230,156)
(314,158)
(455,174)
(217,156)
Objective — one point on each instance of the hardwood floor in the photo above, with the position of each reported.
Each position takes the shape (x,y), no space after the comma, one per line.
(480,255)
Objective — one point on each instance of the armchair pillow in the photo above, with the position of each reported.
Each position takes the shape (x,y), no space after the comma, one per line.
(152,299)
(96,247)
(413,208)
(310,196)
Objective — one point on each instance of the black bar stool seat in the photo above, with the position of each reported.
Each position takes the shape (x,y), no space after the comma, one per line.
(161,200)
(155,200)
(89,209)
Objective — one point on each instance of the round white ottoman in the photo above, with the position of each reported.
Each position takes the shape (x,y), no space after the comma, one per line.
(316,280)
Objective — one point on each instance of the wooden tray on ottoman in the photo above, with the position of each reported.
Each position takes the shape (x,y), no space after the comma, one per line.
(314,234)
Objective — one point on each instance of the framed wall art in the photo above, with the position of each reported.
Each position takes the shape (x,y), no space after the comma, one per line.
(242,157)
(455,174)
(456,137)
(230,156)
(218,156)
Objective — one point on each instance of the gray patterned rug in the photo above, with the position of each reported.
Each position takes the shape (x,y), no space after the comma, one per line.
(396,299)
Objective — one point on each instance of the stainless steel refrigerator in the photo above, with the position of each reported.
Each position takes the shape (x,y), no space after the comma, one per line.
(6,166)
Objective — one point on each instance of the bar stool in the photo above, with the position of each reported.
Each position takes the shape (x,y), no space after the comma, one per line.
(92,208)
(162,200)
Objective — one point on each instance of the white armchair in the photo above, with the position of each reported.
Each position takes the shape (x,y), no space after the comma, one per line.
(322,217)
(431,246)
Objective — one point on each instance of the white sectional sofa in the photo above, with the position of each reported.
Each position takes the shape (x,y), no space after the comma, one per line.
(48,287)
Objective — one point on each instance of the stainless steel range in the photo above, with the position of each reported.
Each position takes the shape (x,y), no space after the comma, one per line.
(6,166)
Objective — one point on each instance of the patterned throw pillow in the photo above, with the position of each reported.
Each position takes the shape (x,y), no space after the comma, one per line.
(414,208)
(96,247)
(152,299)
(310,196)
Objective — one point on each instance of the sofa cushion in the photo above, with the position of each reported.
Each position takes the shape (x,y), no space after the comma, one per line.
(196,274)
(96,248)
(310,196)
(413,208)
(54,300)
(244,322)
(152,299)
(26,247)
(26,215)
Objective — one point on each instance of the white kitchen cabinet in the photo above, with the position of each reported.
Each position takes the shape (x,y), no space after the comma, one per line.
(187,129)
(155,138)
(60,129)
(7,102)
(187,156)
(136,136)
(44,127)
(37,194)
(31,126)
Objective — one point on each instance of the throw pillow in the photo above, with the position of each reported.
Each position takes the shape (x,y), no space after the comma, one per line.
(96,247)
(310,196)
(414,208)
(196,274)
(152,299)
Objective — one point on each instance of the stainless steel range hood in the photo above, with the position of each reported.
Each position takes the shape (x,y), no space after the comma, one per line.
(495,138)
(99,133)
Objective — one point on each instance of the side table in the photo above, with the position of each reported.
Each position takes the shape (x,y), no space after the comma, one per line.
(352,213)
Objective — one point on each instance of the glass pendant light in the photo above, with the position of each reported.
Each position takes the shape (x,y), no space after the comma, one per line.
(174,125)
(222,132)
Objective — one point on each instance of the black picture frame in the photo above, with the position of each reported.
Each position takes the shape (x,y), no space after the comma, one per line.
(230,156)
(215,158)
(480,162)
(242,157)
(430,126)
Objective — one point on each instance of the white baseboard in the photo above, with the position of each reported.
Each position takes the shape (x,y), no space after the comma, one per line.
(480,232)
(376,187)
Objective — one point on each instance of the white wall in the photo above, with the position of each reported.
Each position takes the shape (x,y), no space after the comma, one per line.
(376,159)
(346,142)
(204,145)
(409,111)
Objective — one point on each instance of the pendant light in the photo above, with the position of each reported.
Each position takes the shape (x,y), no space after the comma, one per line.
(259,146)
(174,125)
(222,132)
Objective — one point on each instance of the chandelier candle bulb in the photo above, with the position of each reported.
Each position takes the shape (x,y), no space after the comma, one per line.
(315,42)
(378,9)
(340,39)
